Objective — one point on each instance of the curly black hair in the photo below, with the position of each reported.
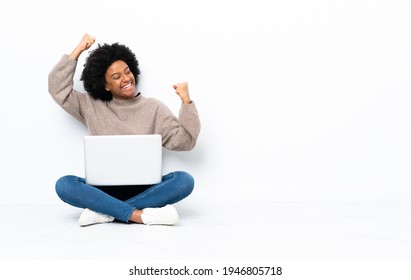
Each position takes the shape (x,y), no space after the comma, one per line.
(95,67)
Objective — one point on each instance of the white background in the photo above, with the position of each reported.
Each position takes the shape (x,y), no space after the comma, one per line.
(299,100)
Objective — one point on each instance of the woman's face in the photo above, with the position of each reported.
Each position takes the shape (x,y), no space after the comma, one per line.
(120,81)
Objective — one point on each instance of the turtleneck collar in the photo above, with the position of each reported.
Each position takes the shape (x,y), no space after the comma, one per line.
(126,102)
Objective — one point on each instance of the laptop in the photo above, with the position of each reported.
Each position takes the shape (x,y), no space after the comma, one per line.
(112,160)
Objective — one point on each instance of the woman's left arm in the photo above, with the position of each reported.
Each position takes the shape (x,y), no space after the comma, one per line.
(179,133)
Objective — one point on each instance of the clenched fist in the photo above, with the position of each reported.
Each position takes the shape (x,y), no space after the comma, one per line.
(84,44)
(182,91)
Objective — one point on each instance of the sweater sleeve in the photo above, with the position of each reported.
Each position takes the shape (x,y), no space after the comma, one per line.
(60,86)
(180,133)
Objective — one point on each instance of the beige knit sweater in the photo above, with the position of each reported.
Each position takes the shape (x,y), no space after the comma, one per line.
(139,115)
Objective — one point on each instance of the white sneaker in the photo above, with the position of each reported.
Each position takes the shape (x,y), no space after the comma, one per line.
(166,215)
(89,217)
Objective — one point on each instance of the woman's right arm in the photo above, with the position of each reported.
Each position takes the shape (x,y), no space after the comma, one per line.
(60,80)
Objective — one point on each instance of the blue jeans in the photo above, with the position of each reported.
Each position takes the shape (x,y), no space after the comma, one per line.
(174,187)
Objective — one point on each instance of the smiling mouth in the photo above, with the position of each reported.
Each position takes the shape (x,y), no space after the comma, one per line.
(128,85)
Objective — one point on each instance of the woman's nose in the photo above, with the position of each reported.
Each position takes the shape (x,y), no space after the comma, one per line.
(125,78)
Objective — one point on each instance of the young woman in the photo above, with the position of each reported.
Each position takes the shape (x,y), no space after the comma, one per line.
(112,106)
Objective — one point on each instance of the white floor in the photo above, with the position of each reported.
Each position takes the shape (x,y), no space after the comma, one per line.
(41,240)
(212,230)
